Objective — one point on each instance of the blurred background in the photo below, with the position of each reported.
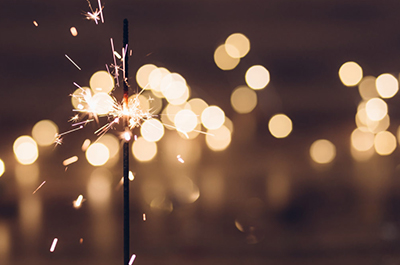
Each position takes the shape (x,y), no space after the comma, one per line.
(274,137)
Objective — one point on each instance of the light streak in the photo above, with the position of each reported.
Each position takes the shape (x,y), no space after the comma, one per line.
(53,245)
(117,55)
(70,160)
(132,259)
(35,23)
(101,11)
(85,145)
(144,217)
(70,131)
(72,62)
(78,202)
(38,187)
(180,159)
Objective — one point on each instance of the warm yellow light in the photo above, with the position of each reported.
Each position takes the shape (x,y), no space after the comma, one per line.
(237,45)
(350,73)
(197,105)
(156,77)
(152,130)
(362,141)
(173,86)
(243,99)
(223,60)
(376,109)
(385,143)
(367,88)
(182,99)
(111,142)
(101,103)
(25,150)
(143,150)
(142,75)
(280,126)
(257,77)
(379,126)
(387,85)
(185,190)
(99,187)
(219,139)
(2,168)
(97,154)
(322,151)
(213,117)
(44,132)
(77,99)
(74,31)
(101,81)
(185,121)
(78,202)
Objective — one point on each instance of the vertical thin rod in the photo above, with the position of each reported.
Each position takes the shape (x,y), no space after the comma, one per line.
(126,152)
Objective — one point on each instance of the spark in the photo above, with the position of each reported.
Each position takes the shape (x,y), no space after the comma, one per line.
(101,11)
(180,159)
(117,55)
(78,202)
(131,176)
(94,15)
(38,187)
(144,217)
(35,23)
(70,131)
(70,160)
(72,62)
(53,245)
(81,240)
(85,145)
(132,259)
(116,67)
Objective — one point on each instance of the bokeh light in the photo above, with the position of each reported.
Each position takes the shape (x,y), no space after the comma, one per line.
(25,150)
(219,139)
(387,85)
(101,81)
(111,142)
(185,120)
(155,78)
(322,151)
(223,60)
(367,88)
(212,117)
(197,105)
(152,130)
(350,73)
(385,143)
(144,150)
(237,45)
(77,99)
(101,103)
(185,190)
(97,154)
(99,186)
(173,86)
(376,109)
(142,75)
(243,99)
(362,141)
(257,77)
(280,126)
(2,168)
(44,132)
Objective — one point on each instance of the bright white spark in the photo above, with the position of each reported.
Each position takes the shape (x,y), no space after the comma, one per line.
(39,187)
(53,245)
(70,160)
(72,62)
(101,11)
(144,217)
(180,159)
(35,23)
(78,202)
(132,259)
(131,176)
(117,55)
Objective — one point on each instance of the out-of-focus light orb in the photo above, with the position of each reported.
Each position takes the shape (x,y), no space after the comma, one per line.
(99,186)
(152,130)
(111,142)
(322,151)
(219,139)
(155,103)
(156,77)
(77,99)
(387,85)
(280,126)
(257,77)
(144,150)
(379,126)
(362,141)
(212,117)
(362,155)
(367,88)
(44,132)
(97,154)
(243,99)
(223,60)
(182,99)
(173,86)
(350,73)
(229,124)
(185,190)
(376,109)
(398,134)
(2,168)
(237,45)
(385,143)
(25,150)
(197,105)
(74,31)
(185,121)
(101,81)
(101,103)
(143,74)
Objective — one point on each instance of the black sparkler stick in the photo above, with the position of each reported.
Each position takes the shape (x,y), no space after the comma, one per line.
(126,149)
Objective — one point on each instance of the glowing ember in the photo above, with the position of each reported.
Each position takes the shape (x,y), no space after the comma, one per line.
(144,217)
(74,31)
(132,259)
(35,23)
(180,159)
(70,160)
(78,202)
(81,241)
(39,187)
(131,176)
(53,245)
(85,145)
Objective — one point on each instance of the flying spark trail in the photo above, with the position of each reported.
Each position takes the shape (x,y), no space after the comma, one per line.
(53,245)
(144,217)
(35,23)
(101,11)
(180,159)
(132,259)
(78,202)
(70,160)
(72,62)
(38,187)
